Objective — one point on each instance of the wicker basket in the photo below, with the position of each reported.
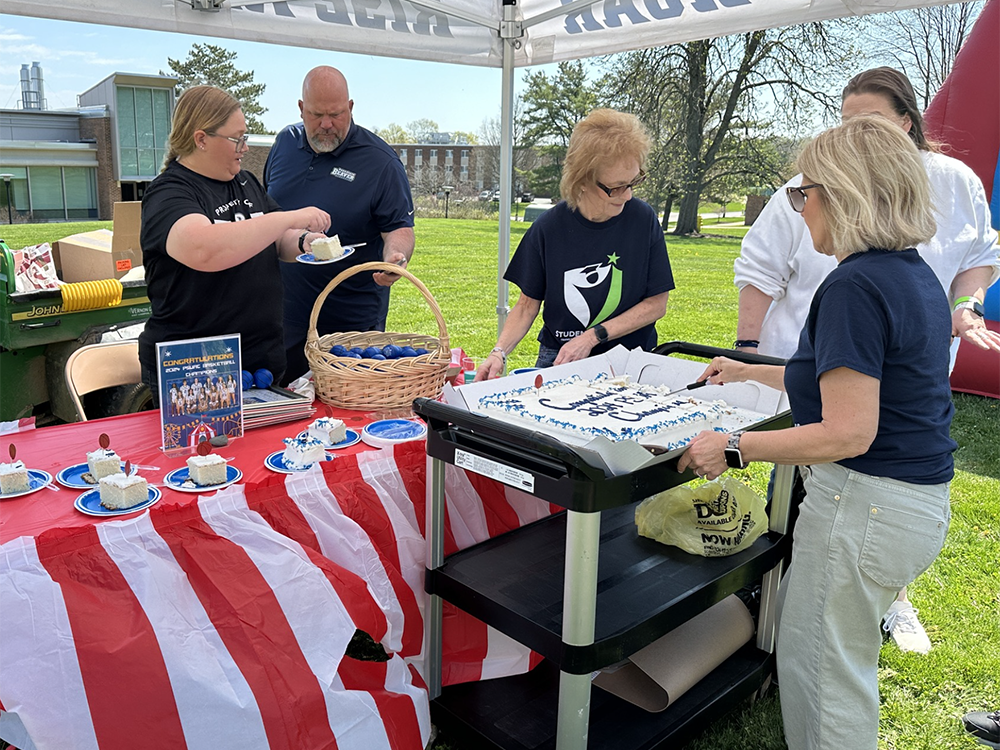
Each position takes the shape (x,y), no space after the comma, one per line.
(364,384)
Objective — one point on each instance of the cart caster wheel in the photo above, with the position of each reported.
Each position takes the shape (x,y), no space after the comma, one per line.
(123,399)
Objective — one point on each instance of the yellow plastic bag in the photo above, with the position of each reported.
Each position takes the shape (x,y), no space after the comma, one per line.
(715,519)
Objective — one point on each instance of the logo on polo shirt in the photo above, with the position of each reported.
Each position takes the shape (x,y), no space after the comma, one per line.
(343,174)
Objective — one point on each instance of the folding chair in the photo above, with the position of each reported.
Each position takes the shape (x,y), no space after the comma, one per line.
(97,366)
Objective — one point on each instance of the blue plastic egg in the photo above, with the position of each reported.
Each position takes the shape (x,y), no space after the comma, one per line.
(338,351)
(391,351)
(247,380)
(263,378)
(370,352)
(356,350)
(353,355)
(377,356)
(420,350)
(408,351)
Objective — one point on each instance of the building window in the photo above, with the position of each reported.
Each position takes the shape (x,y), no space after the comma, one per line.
(465,153)
(449,153)
(143,118)
(402,155)
(53,193)
(434,153)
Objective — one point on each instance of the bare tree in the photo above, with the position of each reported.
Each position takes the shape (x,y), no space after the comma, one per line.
(712,104)
(525,158)
(922,42)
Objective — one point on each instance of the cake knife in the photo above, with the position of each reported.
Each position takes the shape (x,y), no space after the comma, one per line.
(689,387)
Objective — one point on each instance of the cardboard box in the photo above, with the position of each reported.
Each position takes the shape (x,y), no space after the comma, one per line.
(752,402)
(102,254)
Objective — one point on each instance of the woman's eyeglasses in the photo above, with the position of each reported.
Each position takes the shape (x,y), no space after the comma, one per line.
(797,196)
(241,142)
(612,192)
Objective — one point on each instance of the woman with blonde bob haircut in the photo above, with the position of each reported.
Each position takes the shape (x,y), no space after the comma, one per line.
(597,260)
(868,388)
(211,239)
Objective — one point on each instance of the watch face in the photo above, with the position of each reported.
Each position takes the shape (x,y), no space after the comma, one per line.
(734,459)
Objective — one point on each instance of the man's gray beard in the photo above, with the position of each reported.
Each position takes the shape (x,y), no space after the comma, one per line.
(325,147)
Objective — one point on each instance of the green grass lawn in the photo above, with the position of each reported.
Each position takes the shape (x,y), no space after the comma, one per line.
(923,697)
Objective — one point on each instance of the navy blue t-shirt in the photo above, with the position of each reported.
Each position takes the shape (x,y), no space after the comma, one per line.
(362,185)
(586,272)
(884,314)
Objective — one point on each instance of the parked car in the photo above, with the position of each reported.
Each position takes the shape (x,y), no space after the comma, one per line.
(485,195)
(496,196)
(527,197)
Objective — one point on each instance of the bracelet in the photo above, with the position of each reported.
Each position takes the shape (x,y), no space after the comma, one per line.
(302,242)
(960,300)
(501,352)
(745,343)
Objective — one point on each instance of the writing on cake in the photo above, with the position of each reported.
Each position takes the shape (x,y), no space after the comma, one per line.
(608,407)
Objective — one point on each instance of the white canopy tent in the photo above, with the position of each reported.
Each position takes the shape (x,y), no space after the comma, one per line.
(492,33)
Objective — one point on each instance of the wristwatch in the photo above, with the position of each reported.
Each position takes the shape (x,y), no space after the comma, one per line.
(302,242)
(970,303)
(734,459)
(601,332)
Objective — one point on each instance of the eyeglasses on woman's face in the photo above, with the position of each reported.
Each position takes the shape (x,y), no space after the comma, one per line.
(797,196)
(241,142)
(614,192)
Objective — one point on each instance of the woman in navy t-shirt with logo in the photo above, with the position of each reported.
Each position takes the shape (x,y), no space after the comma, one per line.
(869,392)
(595,264)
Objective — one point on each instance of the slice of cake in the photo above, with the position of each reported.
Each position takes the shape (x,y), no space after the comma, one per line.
(302,452)
(119,491)
(13,478)
(329,430)
(103,463)
(205,471)
(327,248)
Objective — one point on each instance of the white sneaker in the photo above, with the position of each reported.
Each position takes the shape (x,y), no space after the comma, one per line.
(902,624)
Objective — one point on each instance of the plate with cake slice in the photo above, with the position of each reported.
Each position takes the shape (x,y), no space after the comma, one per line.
(79,477)
(180,480)
(16,484)
(276,462)
(312,260)
(350,438)
(90,503)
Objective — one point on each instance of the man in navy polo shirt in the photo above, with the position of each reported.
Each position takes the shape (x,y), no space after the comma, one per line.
(330,162)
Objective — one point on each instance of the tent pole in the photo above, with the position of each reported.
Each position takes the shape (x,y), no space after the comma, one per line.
(506,163)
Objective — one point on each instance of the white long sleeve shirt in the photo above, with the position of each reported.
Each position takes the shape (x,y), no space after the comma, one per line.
(778,258)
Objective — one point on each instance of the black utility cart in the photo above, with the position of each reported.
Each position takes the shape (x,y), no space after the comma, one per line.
(584,590)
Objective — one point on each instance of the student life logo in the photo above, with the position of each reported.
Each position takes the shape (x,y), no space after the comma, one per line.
(594,286)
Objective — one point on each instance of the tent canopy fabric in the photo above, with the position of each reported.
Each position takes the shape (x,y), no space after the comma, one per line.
(469,32)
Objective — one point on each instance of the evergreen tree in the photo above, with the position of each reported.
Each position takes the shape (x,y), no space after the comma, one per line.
(214,65)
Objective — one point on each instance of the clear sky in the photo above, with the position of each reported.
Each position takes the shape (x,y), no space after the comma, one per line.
(75,56)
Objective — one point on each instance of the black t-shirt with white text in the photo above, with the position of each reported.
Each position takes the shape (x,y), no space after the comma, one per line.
(187,304)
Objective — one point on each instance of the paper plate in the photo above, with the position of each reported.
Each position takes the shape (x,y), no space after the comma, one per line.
(37,479)
(72,476)
(90,503)
(310,259)
(276,462)
(388,432)
(350,438)
(178,480)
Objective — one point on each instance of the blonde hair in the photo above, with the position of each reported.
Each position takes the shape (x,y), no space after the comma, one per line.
(199,108)
(602,138)
(875,187)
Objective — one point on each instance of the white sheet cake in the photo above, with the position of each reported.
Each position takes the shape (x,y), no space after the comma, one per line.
(302,452)
(327,248)
(119,491)
(609,407)
(103,463)
(206,471)
(328,430)
(14,478)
